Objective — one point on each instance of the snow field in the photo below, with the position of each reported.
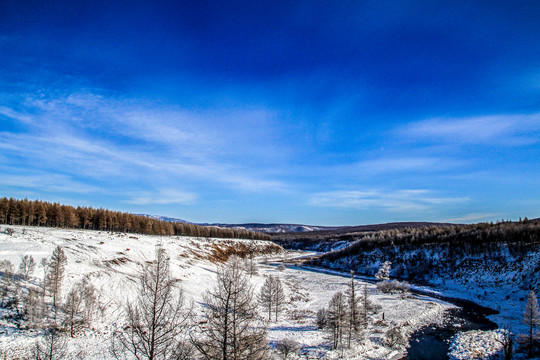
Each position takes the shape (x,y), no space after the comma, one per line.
(112,261)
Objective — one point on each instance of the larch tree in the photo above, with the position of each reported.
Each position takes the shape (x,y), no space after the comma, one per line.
(27,266)
(6,267)
(365,306)
(279,296)
(353,310)
(73,311)
(157,319)
(266,296)
(56,267)
(531,317)
(232,329)
(337,318)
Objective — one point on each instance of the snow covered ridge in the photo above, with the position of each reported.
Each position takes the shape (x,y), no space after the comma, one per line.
(265,228)
(111,264)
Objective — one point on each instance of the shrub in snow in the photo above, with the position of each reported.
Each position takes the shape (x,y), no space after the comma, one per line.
(287,347)
(384,271)
(322,318)
(394,338)
(393,286)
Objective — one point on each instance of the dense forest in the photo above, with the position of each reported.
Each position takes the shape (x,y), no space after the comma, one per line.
(469,252)
(468,239)
(39,213)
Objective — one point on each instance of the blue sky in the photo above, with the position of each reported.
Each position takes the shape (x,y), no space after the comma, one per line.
(317,112)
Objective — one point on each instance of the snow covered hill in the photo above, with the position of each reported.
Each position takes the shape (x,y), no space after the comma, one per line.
(111,263)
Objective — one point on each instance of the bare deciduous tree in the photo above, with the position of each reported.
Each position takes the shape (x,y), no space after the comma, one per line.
(322,318)
(55,276)
(33,307)
(531,317)
(279,296)
(6,267)
(272,296)
(157,319)
(353,311)
(365,306)
(251,265)
(337,318)
(266,297)
(52,347)
(73,308)
(232,328)
(506,340)
(27,266)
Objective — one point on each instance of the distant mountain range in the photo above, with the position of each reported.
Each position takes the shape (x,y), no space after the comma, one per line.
(266,228)
(299,228)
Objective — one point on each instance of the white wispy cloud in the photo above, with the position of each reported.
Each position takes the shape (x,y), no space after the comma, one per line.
(471,217)
(393,200)
(47,182)
(163,196)
(409,163)
(503,129)
(125,140)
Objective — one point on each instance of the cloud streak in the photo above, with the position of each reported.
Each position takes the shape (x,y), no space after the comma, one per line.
(133,142)
(512,129)
(393,200)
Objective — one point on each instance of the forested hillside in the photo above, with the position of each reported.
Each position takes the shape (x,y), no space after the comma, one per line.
(39,213)
(505,252)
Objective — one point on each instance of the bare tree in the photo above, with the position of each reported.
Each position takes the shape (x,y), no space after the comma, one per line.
(278,295)
(322,318)
(353,311)
(55,276)
(365,306)
(251,265)
(337,316)
(286,347)
(27,266)
(232,328)
(73,310)
(531,317)
(266,296)
(33,307)
(88,295)
(157,319)
(506,340)
(6,267)
(272,296)
(52,347)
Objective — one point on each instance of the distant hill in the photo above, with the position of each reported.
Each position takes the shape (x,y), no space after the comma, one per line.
(297,230)
(266,228)
(165,218)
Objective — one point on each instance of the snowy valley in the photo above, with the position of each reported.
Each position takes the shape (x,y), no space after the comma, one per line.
(111,263)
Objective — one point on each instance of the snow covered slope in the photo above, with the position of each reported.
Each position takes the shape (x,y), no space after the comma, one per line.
(111,262)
